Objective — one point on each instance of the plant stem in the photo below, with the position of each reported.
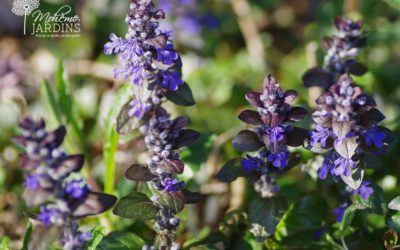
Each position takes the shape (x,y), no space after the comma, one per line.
(344,243)
(25,23)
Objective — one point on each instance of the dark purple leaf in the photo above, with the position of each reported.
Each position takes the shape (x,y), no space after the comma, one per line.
(28,124)
(138,172)
(186,138)
(296,137)
(339,22)
(192,197)
(158,42)
(247,141)
(71,163)
(137,206)
(326,43)
(296,114)
(173,200)
(180,122)
(173,166)
(28,163)
(371,117)
(317,77)
(253,98)
(290,96)
(19,139)
(36,197)
(55,138)
(357,69)
(231,170)
(95,203)
(251,117)
(125,122)
(159,14)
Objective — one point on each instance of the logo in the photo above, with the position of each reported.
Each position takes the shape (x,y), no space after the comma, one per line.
(61,23)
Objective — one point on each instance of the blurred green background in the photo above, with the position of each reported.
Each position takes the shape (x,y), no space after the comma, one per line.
(237,44)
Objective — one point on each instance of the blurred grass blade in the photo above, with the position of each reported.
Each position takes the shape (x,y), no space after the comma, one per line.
(111,137)
(67,106)
(50,104)
(97,236)
(27,237)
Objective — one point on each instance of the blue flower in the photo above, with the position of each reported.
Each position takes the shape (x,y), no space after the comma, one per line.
(275,134)
(279,159)
(49,215)
(128,49)
(250,164)
(343,166)
(32,182)
(320,135)
(167,55)
(138,109)
(327,166)
(76,189)
(373,136)
(364,190)
(172,184)
(339,211)
(171,80)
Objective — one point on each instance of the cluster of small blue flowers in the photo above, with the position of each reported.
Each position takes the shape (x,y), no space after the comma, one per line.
(347,123)
(163,140)
(342,51)
(147,55)
(52,181)
(272,129)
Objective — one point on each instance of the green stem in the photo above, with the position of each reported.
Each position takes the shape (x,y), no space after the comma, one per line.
(344,243)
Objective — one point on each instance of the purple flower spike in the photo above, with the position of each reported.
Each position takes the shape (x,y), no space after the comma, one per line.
(50,215)
(171,80)
(76,189)
(250,164)
(364,190)
(167,55)
(276,134)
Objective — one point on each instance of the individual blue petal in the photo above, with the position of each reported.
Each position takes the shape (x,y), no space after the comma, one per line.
(373,137)
(364,190)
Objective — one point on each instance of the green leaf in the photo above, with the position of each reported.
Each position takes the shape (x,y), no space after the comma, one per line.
(136,205)
(4,243)
(50,104)
(231,170)
(121,241)
(298,218)
(173,200)
(395,204)
(393,220)
(345,224)
(111,137)
(375,203)
(183,96)
(393,3)
(27,237)
(264,215)
(97,236)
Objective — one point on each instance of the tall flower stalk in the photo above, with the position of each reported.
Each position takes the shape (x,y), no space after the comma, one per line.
(153,68)
(53,182)
(270,137)
(342,50)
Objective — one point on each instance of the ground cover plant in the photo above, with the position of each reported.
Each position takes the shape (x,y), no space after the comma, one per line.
(182,124)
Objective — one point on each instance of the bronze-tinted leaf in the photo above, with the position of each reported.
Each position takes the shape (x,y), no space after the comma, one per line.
(95,203)
(247,141)
(317,77)
(183,96)
(36,197)
(192,197)
(125,122)
(180,122)
(173,200)
(173,166)
(296,114)
(251,117)
(71,163)
(326,42)
(371,117)
(296,137)
(253,98)
(138,172)
(55,138)
(158,41)
(186,138)
(28,123)
(357,69)
(290,96)
(28,163)
(231,170)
